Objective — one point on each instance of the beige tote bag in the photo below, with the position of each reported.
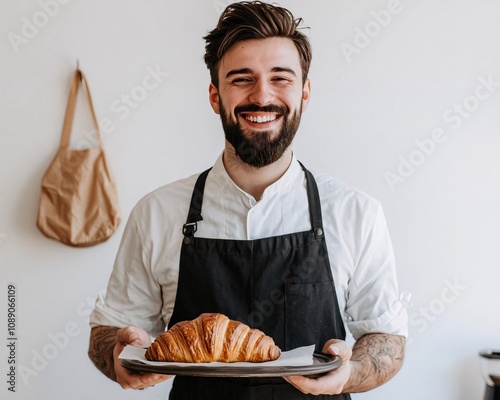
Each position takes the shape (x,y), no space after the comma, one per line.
(79,202)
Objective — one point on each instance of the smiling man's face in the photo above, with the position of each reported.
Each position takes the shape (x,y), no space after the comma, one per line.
(260,98)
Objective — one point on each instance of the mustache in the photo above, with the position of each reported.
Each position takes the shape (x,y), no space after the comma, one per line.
(256,108)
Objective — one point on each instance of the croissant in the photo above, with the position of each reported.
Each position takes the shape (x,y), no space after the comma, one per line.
(212,337)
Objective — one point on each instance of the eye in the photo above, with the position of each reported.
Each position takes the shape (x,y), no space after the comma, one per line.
(241,81)
(281,79)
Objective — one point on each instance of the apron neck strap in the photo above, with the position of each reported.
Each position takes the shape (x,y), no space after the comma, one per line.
(314,203)
(194,215)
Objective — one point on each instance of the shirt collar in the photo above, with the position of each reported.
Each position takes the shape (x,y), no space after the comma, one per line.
(288,181)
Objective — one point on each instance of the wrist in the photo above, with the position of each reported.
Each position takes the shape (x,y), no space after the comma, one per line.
(358,374)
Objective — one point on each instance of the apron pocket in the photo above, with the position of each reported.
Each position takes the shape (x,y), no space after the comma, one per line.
(309,314)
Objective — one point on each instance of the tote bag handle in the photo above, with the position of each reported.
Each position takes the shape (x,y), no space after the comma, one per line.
(78,77)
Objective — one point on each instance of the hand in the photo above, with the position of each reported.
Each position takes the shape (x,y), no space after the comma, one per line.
(334,381)
(138,337)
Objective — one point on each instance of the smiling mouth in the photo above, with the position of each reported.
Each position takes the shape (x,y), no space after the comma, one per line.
(260,118)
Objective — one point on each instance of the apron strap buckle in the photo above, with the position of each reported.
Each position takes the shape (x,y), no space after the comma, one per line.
(189,228)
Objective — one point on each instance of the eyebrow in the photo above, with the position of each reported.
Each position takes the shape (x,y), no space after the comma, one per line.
(249,71)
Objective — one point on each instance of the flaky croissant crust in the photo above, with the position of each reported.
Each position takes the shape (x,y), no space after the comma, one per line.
(212,337)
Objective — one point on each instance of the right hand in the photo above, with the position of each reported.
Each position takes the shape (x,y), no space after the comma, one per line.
(137,337)
(334,381)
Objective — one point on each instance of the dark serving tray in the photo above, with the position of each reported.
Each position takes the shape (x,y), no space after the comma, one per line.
(322,363)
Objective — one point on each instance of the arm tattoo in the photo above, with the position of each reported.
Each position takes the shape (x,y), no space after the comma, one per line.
(102,344)
(376,358)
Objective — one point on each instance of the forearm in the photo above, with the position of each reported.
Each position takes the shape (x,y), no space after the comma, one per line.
(102,343)
(376,358)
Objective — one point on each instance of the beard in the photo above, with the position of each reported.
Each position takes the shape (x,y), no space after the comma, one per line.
(259,148)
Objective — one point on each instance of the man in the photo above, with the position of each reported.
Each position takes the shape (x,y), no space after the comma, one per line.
(257,237)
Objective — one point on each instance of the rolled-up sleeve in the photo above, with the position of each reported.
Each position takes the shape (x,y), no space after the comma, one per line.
(373,303)
(133,296)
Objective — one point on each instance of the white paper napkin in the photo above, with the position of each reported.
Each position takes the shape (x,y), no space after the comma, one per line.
(300,356)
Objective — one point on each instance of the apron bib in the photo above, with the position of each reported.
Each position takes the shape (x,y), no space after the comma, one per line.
(282,285)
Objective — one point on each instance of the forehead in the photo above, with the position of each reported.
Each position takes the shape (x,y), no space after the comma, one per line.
(261,55)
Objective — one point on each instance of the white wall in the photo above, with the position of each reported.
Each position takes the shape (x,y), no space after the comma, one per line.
(373,99)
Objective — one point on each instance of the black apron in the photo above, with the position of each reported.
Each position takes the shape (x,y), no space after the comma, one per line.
(282,285)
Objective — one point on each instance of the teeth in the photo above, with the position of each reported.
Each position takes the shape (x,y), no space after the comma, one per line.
(260,119)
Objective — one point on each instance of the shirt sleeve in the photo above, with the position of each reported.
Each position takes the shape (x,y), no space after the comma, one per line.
(373,304)
(133,297)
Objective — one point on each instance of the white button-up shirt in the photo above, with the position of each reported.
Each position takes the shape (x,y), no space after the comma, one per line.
(143,284)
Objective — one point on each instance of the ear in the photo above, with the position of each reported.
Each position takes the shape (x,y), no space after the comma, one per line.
(306,94)
(213,96)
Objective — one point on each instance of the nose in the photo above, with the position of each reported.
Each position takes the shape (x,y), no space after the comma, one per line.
(262,93)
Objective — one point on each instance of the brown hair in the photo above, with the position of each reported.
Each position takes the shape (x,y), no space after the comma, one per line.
(253,20)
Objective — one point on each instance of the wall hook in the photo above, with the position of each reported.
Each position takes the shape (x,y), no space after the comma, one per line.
(78,69)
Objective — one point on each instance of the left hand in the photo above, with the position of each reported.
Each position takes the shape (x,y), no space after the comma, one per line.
(334,381)
(127,379)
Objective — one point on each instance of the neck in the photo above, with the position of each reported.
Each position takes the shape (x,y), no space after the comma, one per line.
(254,180)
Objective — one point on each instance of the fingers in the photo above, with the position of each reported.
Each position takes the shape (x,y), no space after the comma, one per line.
(339,348)
(301,383)
(141,381)
(133,336)
(332,382)
(129,380)
(327,384)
